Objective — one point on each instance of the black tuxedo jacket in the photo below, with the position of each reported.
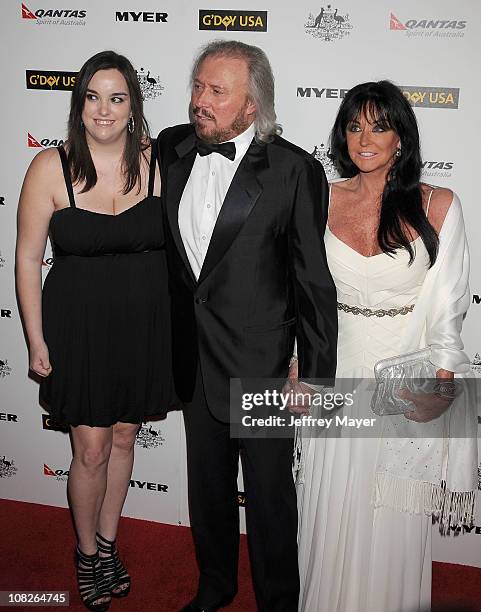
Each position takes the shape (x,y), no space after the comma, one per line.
(265,278)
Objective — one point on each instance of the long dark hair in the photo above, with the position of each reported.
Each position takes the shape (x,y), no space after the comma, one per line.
(80,161)
(402,203)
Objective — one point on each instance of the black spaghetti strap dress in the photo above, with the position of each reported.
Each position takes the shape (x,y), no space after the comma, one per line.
(105,308)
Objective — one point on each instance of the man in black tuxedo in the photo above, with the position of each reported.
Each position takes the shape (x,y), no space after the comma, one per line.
(245,215)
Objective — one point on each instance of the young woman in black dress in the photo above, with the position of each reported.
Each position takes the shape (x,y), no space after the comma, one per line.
(99,332)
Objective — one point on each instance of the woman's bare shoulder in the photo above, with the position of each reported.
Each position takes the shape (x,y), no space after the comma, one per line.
(46,162)
(43,177)
(342,185)
(440,200)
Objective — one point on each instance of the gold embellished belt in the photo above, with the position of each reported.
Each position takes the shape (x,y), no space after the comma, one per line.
(370,312)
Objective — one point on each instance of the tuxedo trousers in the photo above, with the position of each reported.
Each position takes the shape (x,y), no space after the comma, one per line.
(271,510)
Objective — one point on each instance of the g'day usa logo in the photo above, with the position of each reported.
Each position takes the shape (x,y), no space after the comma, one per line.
(328,24)
(53,425)
(55,16)
(33,143)
(431,97)
(435,28)
(50,80)
(234,21)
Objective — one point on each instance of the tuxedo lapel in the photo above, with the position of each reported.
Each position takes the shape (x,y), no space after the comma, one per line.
(178,175)
(239,201)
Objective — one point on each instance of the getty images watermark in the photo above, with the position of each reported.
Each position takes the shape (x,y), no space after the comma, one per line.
(282,401)
(347,408)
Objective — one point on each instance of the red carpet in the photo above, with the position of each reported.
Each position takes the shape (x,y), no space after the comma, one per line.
(37,544)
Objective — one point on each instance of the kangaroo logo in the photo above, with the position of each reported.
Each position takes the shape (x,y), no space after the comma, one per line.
(7,468)
(324,156)
(328,24)
(149,86)
(148,437)
(476,363)
(5,370)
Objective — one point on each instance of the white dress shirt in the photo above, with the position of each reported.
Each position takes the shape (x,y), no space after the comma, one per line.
(203,196)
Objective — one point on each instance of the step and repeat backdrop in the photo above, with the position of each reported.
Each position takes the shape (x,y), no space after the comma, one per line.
(318,51)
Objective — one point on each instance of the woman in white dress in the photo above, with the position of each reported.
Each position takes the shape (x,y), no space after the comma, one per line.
(397,252)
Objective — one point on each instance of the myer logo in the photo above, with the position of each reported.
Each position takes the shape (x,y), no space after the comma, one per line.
(5,313)
(438,28)
(321,92)
(432,97)
(476,299)
(469,528)
(55,16)
(10,418)
(50,79)
(33,143)
(149,486)
(234,21)
(144,16)
(2,200)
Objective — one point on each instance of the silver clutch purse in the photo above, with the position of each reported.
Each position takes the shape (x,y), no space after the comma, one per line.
(413,371)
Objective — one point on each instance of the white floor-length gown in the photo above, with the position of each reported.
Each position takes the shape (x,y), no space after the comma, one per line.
(354,557)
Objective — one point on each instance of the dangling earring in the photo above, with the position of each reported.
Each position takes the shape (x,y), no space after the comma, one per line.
(398,152)
(131,124)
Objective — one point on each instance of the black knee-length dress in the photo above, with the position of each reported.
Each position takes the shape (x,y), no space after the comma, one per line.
(105,308)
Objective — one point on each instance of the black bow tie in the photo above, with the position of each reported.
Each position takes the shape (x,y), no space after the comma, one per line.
(227,149)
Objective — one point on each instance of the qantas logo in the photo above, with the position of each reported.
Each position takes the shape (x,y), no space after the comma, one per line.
(27,13)
(57,474)
(54,16)
(33,143)
(395,24)
(429,28)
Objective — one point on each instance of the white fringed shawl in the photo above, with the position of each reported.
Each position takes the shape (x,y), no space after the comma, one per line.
(436,474)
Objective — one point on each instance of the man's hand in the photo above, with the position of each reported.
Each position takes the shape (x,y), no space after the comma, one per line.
(299,391)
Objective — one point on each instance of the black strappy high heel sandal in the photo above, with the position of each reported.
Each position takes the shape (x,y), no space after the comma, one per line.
(116,576)
(91,582)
